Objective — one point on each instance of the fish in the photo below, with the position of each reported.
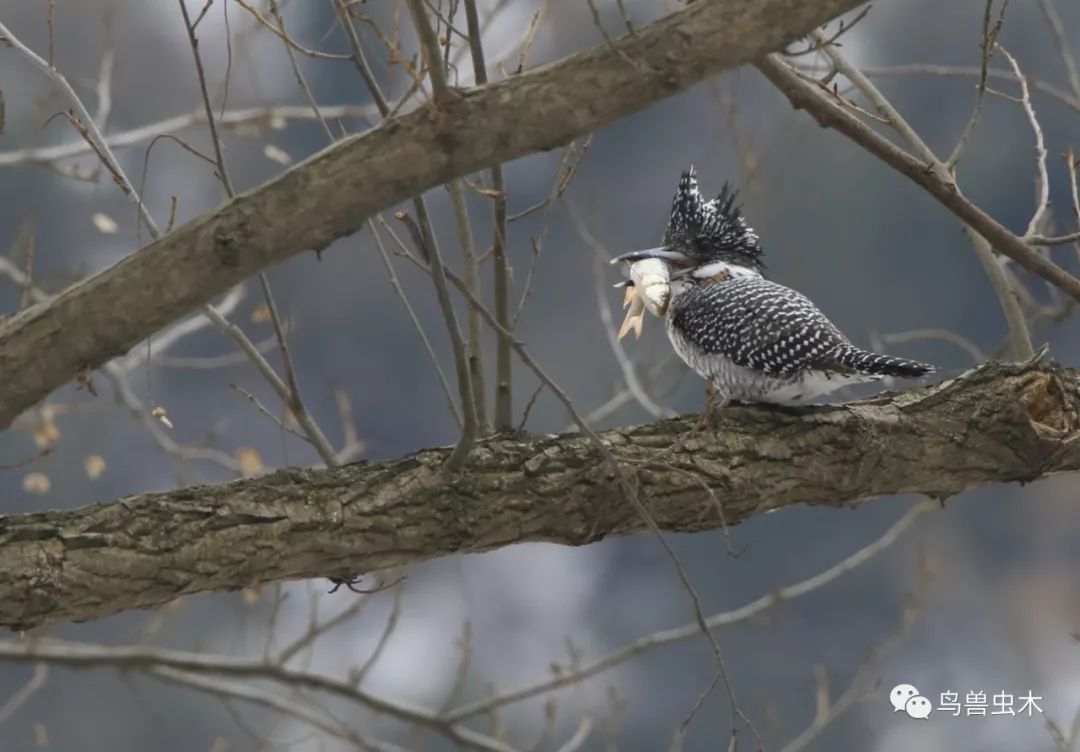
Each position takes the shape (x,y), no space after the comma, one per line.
(646,290)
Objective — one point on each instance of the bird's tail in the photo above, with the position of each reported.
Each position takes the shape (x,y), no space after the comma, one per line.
(874,364)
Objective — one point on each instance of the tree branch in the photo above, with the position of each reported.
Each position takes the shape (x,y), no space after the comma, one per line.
(334,192)
(829,114)
(996,424)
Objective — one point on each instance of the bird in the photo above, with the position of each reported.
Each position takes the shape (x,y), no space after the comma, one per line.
(752,339)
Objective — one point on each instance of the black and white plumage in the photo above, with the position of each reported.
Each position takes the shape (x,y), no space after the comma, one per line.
(752,339)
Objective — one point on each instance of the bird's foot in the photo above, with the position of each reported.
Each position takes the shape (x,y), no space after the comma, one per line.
(707,419)
(713,403)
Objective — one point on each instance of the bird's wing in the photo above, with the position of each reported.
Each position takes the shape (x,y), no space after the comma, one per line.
(759,324)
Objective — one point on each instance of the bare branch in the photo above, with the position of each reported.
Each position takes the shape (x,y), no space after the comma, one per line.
(85,120)
(962,71)
(1042,183)
(247,692)
(279,31)
(723,619)
(935,181)
(469,428)
(291,398)
(396,284)
(987,44)
(271,117)
(82,655)
(24,693)
(333,193)
(1062,42)
(504,402)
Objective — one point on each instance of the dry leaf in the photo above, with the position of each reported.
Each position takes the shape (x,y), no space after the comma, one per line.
(261,314)
(277,154)
(159,413)
(36,483)
(46,434)
(251,463)
(251,595)
(94,465)
(105,224)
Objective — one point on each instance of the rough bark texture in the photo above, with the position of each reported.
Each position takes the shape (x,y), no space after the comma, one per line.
(996,424)
(331,194)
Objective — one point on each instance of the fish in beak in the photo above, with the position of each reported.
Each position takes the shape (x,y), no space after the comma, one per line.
(647,289)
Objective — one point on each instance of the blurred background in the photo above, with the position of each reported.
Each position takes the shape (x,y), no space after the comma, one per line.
(978,596)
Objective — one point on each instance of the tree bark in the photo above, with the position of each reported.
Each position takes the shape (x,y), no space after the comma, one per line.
(996,424)
(332,194)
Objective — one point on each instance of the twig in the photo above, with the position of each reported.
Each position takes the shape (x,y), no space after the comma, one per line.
(318,629)
(1007,290)
(504,403)
(842,29)
(470,404)
(84,655)
(384,639)
(1074,191)
(474,366)
(164,341)
(352,447)
(827,710)
(429,45)
(96,139)
(623,396)
(230,118)
(358,58)
(472,280)
(117,372)
(279,422)
(248,693)
(577,741)
(1065,743)
(725,618)
(396,284)
(987,44)
(1072,237)
(1058,30)
(291,398)
(24,693)
(977,355)
(1043,180)
(280,33)
(430,252)
(928,173)
(628,491)
(311,429)
(104,88)
(881,104)
(297,73)
(930,69)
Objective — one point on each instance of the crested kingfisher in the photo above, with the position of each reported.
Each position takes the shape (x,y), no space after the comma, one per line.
(752,339)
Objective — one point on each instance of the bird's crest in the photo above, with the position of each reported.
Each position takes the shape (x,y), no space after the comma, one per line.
(711,230)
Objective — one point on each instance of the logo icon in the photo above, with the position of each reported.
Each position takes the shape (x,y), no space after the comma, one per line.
(906,697)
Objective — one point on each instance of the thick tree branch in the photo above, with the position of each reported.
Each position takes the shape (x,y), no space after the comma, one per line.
(996,424)
(333,193)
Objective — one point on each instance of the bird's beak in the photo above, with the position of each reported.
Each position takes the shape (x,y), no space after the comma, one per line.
(674,257)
